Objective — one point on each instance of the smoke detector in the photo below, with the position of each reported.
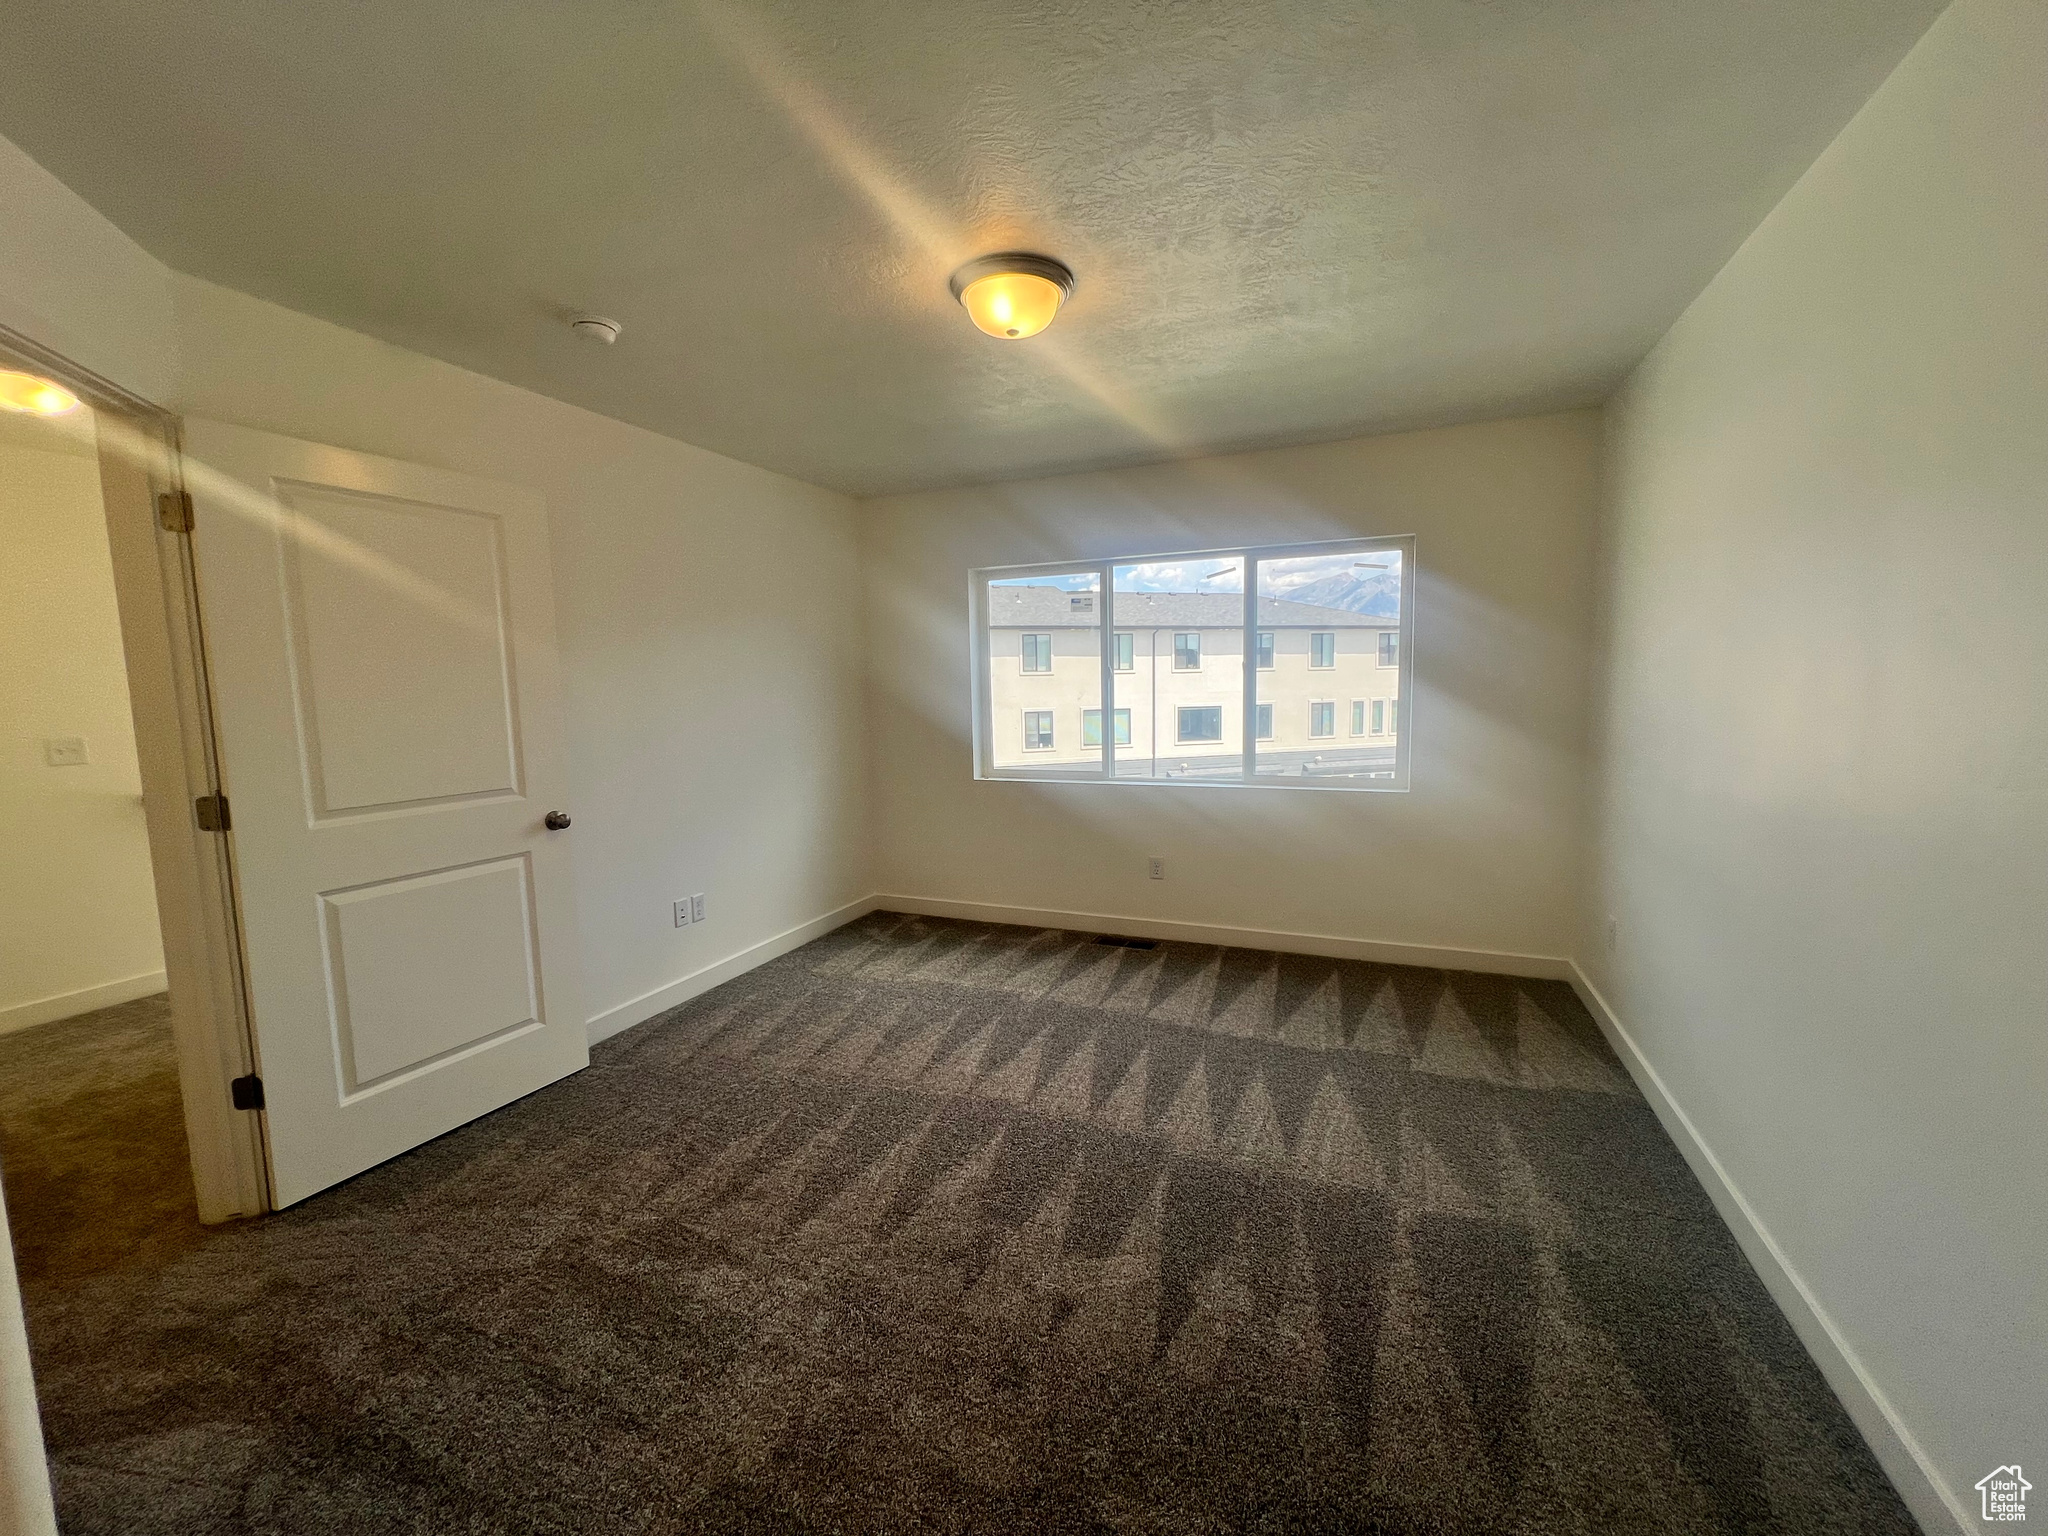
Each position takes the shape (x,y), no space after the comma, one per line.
(595,328)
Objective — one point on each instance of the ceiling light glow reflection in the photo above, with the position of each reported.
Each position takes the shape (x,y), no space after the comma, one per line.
(30,394)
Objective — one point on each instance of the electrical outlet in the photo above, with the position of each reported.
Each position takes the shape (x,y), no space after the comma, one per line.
(66,752)
(697,908)
(1158,868)
(683,913)
(1613,932)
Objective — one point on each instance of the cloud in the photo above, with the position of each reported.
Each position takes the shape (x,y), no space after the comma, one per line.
(1182,576)
(1277,576)
(1079,582)
(1227,574)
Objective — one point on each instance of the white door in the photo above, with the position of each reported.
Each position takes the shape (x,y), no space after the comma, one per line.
(381,641)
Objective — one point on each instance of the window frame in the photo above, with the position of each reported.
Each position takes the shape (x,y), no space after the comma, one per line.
(1180,718)
(1024,670)
(1265,651)
(1313,706)
(1400,718)
(1186,634)
(1121,640)
(1315,639)
(1051,729)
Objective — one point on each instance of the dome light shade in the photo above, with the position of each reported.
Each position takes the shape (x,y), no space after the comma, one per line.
(1013,295)
(33,395)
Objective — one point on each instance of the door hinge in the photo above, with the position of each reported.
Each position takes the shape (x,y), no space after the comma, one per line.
(174,511)
(212,811)
(247,1092)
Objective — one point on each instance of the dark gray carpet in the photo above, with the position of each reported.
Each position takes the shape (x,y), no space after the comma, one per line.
(933,1226)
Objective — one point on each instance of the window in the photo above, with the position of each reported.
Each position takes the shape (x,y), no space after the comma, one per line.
(1091,727)
(1146,668)
(1031,617)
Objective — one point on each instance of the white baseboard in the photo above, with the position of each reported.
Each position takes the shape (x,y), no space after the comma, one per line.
(640,1009)
(46,1010)
(1927,1495)
(1442,957)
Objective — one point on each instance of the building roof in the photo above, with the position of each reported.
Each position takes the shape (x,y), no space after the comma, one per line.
(1051,608)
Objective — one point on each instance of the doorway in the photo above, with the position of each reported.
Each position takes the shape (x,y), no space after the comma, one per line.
(121,1024)
(92,1134)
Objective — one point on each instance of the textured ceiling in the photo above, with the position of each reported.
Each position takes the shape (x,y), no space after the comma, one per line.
(1291,220)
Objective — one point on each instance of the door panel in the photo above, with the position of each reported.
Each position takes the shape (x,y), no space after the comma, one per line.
(398,614)
(382,645)
(423,967)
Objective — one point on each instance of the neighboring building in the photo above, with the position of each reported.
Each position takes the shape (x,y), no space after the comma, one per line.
(1328,685)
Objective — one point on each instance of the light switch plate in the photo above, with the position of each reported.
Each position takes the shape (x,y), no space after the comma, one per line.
(697,909)
(66,752)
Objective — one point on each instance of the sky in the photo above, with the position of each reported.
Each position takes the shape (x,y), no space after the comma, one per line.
(1226,574)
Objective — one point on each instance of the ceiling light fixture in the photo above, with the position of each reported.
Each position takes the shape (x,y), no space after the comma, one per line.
(33,395)
(1013,294)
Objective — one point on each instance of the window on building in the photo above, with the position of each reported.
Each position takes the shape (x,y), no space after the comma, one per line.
(1030,618)
(1211,703)
(1091,727)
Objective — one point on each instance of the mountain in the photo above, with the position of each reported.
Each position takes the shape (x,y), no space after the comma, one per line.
(1377,593)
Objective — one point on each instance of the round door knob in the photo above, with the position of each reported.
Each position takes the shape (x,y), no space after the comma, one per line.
(556,821)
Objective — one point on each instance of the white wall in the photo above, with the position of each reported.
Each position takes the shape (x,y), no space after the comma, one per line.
(72,281)
(709,620)
(1482,854)
(1822,813)
(707,609)
(78,925)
